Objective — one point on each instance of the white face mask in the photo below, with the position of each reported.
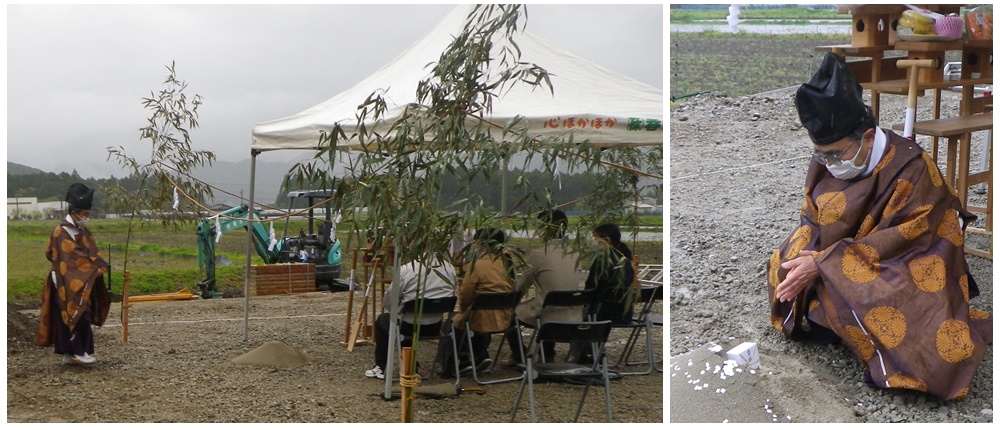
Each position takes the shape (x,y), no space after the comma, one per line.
(81,221)
(847,169)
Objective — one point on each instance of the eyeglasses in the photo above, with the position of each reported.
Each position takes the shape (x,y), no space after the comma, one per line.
(826,158)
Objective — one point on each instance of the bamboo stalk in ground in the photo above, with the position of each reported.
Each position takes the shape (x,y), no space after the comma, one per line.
(405,382)
(125,305)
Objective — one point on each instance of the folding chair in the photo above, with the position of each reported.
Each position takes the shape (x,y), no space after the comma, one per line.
(656,320)
(443,307)
(650,273)
(493,301)
(561,299)
(594,333)
(647,296)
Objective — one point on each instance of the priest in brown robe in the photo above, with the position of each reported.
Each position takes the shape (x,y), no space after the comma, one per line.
(75,295)
(878,261)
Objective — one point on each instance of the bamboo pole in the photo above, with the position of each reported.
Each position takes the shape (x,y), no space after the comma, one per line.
(125,306)
(406,383)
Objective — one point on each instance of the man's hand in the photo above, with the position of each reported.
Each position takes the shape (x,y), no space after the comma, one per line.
(802,272)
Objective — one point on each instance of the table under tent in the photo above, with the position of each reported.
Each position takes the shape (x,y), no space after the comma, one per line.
(590,102)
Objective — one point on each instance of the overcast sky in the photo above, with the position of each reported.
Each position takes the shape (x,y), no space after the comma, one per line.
(76,74)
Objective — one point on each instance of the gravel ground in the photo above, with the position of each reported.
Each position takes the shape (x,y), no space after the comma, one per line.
(737,166)
(177,366)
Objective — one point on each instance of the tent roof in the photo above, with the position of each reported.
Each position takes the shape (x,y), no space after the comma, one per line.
(589,101)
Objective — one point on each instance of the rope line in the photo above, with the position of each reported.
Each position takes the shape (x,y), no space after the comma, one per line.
(219,214)
(132,322)
(289,214)
(160,164)
(302,212)
(409,381)
(738,168)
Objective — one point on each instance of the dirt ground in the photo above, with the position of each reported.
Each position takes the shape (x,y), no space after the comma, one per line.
(737,166)
(177,366)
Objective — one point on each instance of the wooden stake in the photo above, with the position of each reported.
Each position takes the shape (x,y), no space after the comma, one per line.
(350,299)
(911,99)
(357,324)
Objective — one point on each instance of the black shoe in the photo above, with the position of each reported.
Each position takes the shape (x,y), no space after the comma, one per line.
(509,363)
(484,364)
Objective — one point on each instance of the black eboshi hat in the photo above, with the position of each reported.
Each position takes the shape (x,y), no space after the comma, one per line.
(830,104)
(80,196)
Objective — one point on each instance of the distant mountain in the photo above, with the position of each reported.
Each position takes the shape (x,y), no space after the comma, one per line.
(232,179)
(20,169)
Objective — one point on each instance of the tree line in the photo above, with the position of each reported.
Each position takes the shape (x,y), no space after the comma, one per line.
(49,186)
(564,189)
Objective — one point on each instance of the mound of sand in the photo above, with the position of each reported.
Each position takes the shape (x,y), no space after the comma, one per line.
(273,353)
(20,326)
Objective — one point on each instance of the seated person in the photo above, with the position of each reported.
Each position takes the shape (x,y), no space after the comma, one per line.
(611,274)
(551,269)
(487,274)
(439,281)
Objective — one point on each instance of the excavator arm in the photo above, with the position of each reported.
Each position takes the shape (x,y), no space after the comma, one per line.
(228,220)
(320,250)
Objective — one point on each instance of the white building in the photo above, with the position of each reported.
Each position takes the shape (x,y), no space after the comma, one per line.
(646,206)
(30,207)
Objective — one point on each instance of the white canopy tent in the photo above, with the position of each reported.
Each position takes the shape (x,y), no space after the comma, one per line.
(589,103)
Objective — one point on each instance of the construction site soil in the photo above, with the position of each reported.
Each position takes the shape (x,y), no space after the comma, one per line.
(192,361)
(737,168)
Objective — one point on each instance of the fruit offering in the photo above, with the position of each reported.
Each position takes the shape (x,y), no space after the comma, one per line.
(920,24)
(949,26)
(979,23)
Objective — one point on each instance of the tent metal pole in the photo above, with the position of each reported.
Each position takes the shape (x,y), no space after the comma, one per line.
(246,273)
(503,185)
(394,293)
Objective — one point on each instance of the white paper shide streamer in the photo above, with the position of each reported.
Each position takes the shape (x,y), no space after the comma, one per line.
(558,177)
(333,228)
(734,17)
(218,229)
(273,240)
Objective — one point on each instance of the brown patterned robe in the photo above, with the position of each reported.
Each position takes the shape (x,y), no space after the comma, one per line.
(893,281)
(77,266)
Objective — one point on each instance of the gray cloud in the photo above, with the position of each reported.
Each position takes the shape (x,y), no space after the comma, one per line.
(76,74)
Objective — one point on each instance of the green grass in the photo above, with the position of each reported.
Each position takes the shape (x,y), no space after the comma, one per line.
(788,16)
(160,259)
(164,260)
(730,64)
